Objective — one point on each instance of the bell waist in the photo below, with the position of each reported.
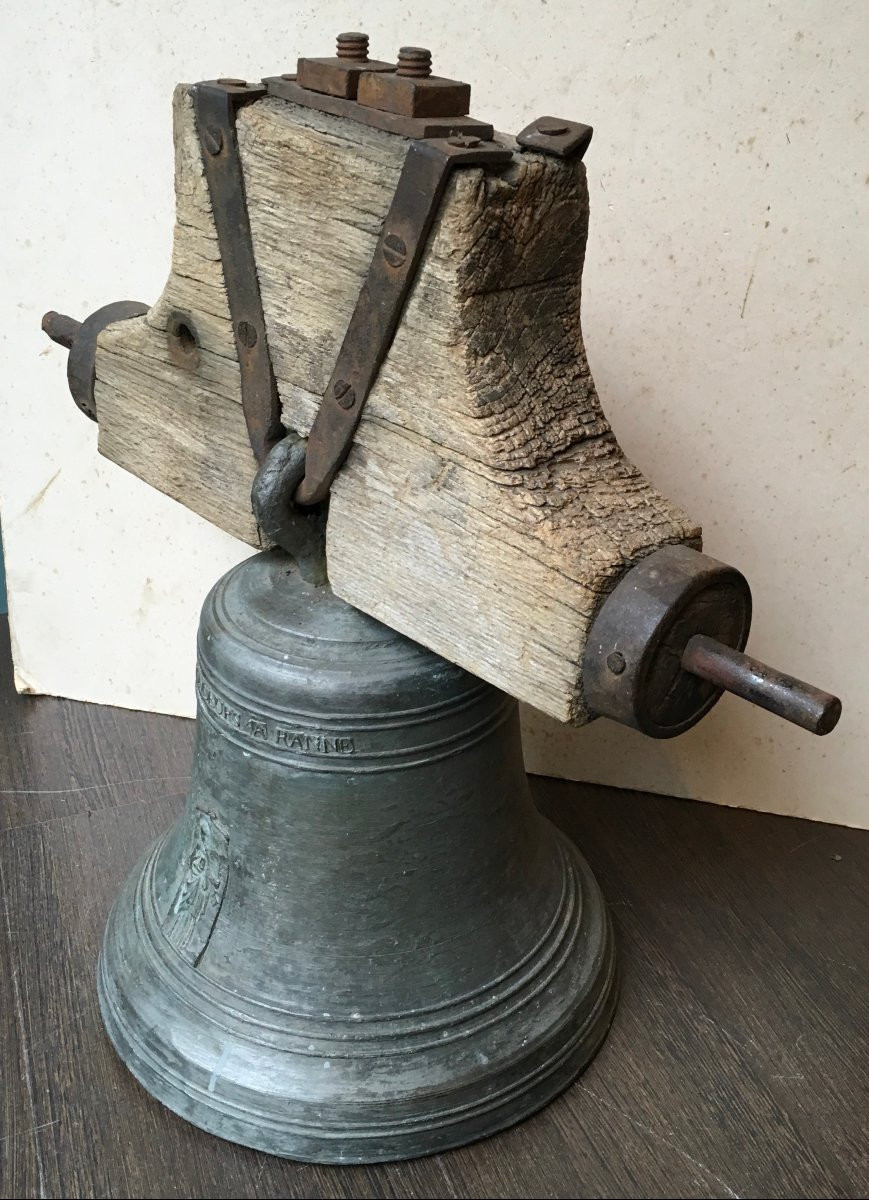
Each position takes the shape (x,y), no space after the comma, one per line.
(352,741)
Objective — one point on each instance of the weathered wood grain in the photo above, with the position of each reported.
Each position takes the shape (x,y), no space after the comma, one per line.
(182,430)
(486,506)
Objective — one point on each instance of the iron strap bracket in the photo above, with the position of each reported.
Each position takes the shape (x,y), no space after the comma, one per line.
(215,105)
(397,256)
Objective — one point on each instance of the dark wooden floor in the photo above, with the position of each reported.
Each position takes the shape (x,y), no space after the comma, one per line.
(737,1064)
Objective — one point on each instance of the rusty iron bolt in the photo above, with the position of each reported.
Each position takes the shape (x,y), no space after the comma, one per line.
(394,250)
(414,61)
(353,46)
(464,143)
(344,393)
(232,82)
(60,328)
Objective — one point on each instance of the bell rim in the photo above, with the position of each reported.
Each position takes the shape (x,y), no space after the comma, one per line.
(558,1057)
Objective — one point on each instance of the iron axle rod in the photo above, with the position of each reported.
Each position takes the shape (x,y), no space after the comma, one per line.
(796,701)
(60,328)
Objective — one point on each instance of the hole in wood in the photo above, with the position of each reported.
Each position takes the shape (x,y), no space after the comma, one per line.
(183,341)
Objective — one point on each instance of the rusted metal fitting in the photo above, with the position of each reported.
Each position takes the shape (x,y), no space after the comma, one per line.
(215,105)
(553,135)
(353,46)
(339,76)
(80,338)
(287,87)
(632,668)
(800,703)
(412,91)
(414,62)
(668,641)
(301,532)
(421,185)
(344,393)
(60,328)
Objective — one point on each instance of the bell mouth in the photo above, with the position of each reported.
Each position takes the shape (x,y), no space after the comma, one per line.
(264,1076)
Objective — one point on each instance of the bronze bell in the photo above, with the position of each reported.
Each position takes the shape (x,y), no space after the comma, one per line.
(360,941)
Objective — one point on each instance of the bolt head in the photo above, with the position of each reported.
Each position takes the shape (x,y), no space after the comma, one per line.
(344,393)
(232,82)
(551,128)
(212,139)
(394,250)
(247,335)
(464,143)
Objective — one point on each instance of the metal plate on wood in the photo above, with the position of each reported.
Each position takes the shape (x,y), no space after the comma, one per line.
(286,87)
(430,96)
(554,135)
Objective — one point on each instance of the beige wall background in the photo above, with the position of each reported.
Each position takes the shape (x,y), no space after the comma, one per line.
(725,319)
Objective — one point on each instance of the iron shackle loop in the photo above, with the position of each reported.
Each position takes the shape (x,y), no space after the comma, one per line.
(299,531)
